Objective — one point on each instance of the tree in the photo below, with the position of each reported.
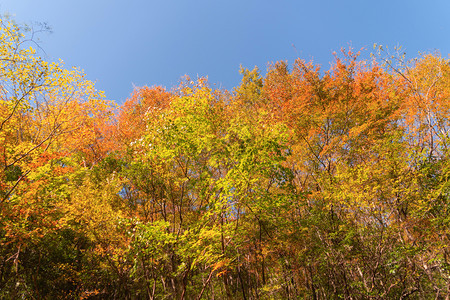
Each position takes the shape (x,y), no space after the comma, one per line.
(48,117)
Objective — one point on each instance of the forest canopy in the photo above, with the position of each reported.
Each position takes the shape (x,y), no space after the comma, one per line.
(304,183)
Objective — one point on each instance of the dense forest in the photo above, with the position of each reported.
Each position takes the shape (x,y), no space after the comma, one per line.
(303,183)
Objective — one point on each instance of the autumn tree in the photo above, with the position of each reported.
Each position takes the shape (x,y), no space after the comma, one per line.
(47,118)
(302,183)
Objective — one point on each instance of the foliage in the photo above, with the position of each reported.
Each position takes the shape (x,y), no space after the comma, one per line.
(300,184)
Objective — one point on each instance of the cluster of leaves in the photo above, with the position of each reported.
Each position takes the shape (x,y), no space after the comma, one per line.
(300,184)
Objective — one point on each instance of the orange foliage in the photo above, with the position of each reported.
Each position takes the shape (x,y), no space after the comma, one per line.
(133,115)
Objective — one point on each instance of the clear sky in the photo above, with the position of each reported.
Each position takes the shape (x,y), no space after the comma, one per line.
(155,42)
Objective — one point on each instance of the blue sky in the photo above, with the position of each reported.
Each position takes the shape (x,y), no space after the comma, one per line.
(121,44)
